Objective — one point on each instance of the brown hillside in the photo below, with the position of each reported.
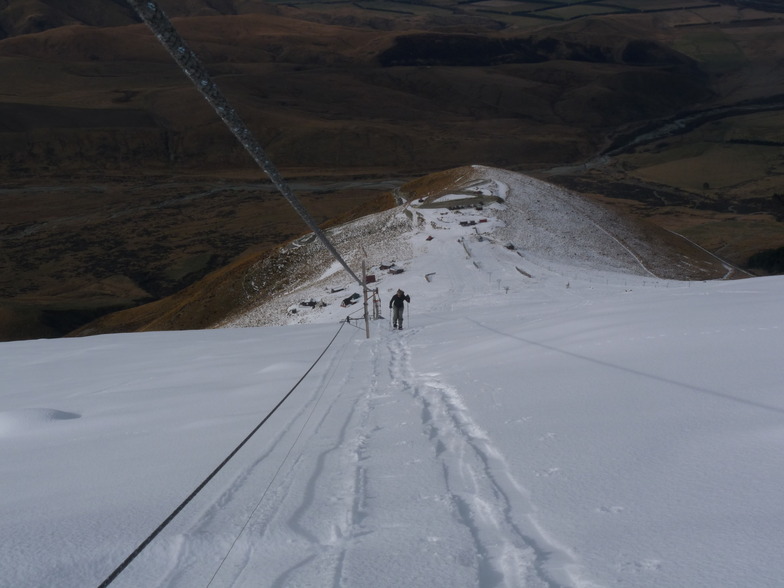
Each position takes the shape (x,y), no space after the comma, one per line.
(209,300)
(97,117)
(327,95)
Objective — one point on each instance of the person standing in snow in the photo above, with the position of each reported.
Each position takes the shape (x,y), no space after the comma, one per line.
(396,304)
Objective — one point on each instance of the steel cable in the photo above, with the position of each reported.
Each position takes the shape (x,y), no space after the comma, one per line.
(111,577)
(154,17)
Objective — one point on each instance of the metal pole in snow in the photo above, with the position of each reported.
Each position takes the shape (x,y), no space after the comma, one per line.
(365,300)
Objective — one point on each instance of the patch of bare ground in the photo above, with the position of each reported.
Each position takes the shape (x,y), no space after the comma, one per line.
(72,252)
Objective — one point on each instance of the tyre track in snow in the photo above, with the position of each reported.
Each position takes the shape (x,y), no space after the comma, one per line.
(219,528)
(337,541)
(511,551)
(320,504)
(328,527)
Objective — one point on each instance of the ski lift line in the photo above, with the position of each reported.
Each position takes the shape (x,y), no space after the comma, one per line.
(113,576)
(349,320)
(154,17)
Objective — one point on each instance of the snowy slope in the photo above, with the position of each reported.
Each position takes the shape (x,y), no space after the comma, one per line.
(546,418)
(506,225)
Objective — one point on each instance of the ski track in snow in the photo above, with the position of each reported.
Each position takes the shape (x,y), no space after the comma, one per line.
(322,530)
(277,505)
(238,520)
(326,538)
(478,479)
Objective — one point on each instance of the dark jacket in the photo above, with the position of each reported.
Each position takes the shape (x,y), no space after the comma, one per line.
(398,300)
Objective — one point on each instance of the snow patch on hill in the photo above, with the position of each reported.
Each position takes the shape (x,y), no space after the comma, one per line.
(535,230)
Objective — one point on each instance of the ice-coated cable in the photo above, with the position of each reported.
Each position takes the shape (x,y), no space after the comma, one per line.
(154,17)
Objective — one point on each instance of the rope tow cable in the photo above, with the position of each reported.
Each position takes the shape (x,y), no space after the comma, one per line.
(154,17)
(198,489)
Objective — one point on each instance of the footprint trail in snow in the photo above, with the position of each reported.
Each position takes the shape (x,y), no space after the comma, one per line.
(478,484)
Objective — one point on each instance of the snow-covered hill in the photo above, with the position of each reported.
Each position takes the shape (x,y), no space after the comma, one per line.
(471,227)
(552,415)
